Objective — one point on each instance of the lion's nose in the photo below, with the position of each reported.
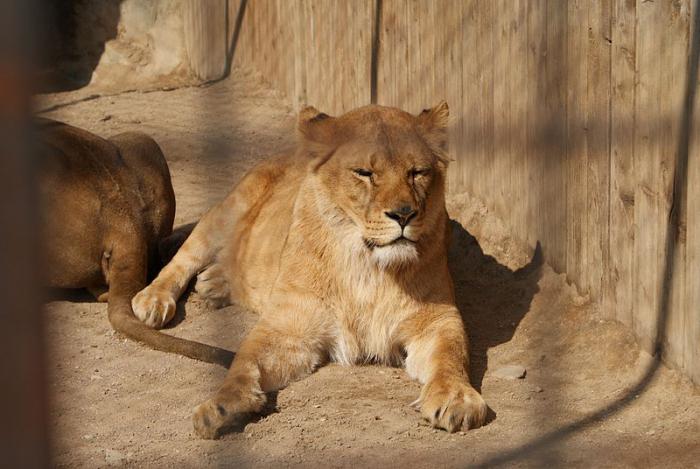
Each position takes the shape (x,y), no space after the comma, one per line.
(402,215)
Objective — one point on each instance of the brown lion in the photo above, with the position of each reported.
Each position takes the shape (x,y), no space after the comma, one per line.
(106,205)
(342,248)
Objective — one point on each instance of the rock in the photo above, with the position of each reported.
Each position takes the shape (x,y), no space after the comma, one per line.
(510,372)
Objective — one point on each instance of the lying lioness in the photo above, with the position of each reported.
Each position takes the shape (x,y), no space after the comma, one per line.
(105,206)
(343,249)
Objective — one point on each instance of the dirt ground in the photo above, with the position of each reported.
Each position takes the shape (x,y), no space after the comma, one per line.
(114,402)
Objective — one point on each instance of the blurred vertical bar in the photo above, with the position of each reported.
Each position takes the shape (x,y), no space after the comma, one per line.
(23,432)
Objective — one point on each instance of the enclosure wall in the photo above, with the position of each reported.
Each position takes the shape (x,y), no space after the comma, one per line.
(568,120)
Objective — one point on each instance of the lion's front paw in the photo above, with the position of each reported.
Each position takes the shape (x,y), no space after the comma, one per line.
(208,418)
(213,286)
(154,306)
(453,406)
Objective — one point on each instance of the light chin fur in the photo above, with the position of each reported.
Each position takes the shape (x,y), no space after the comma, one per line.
(394,255)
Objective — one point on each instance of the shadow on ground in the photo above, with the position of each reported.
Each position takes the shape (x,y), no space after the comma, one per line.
(492,298)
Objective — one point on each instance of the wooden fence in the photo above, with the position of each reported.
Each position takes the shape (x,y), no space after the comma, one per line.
(569,121)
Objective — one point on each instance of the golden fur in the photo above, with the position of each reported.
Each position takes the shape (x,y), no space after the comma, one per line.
(342,248)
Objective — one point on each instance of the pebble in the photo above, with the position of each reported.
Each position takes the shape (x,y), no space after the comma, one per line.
(510,372)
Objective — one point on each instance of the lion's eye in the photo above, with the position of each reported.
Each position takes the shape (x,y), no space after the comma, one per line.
(365,173)
(418,172)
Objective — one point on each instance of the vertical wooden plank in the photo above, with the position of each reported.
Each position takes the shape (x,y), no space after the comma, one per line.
(331,44)
(286,44)
(535,147)
(204,27)
(497,179)
(364,76)
(577,150)
(471,167)
(485,112)
(647,151)
(244,56)
(452,83)
(619,296)
(598,129)
(442,28)
(312,54)
(309,41)
(692,261)
(693,215)
(402,50)
(300,20)
(411,101)
(674,72)
(552,183)
(387,56)
(428,54)
(518,95)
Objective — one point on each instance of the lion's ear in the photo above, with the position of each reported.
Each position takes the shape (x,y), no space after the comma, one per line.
(316,126)
(432,124)
(319,135)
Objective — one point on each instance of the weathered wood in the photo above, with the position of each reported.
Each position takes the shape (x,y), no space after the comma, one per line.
(649,238)
(619,295)
(577,152)
(597,133)
(674,57)
(692,261)
(205,32)
(552,143)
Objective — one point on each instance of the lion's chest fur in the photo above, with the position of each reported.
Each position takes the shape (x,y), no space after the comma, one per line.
(367,306)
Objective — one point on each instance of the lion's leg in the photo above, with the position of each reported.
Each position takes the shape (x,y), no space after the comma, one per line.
(437,356)
(155,304)
(272,356)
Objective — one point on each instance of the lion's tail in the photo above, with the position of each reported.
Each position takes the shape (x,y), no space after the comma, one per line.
(125,281)
(123,320)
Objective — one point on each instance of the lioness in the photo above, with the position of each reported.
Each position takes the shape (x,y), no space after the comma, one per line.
(343,249)
(105,206)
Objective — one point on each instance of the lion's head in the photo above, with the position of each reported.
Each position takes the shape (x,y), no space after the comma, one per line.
(383,171)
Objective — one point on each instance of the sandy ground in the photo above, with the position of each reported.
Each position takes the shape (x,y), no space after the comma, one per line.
(115,402)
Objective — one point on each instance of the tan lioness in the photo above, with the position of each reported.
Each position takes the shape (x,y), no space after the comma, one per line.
(342,248)
(106,204)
